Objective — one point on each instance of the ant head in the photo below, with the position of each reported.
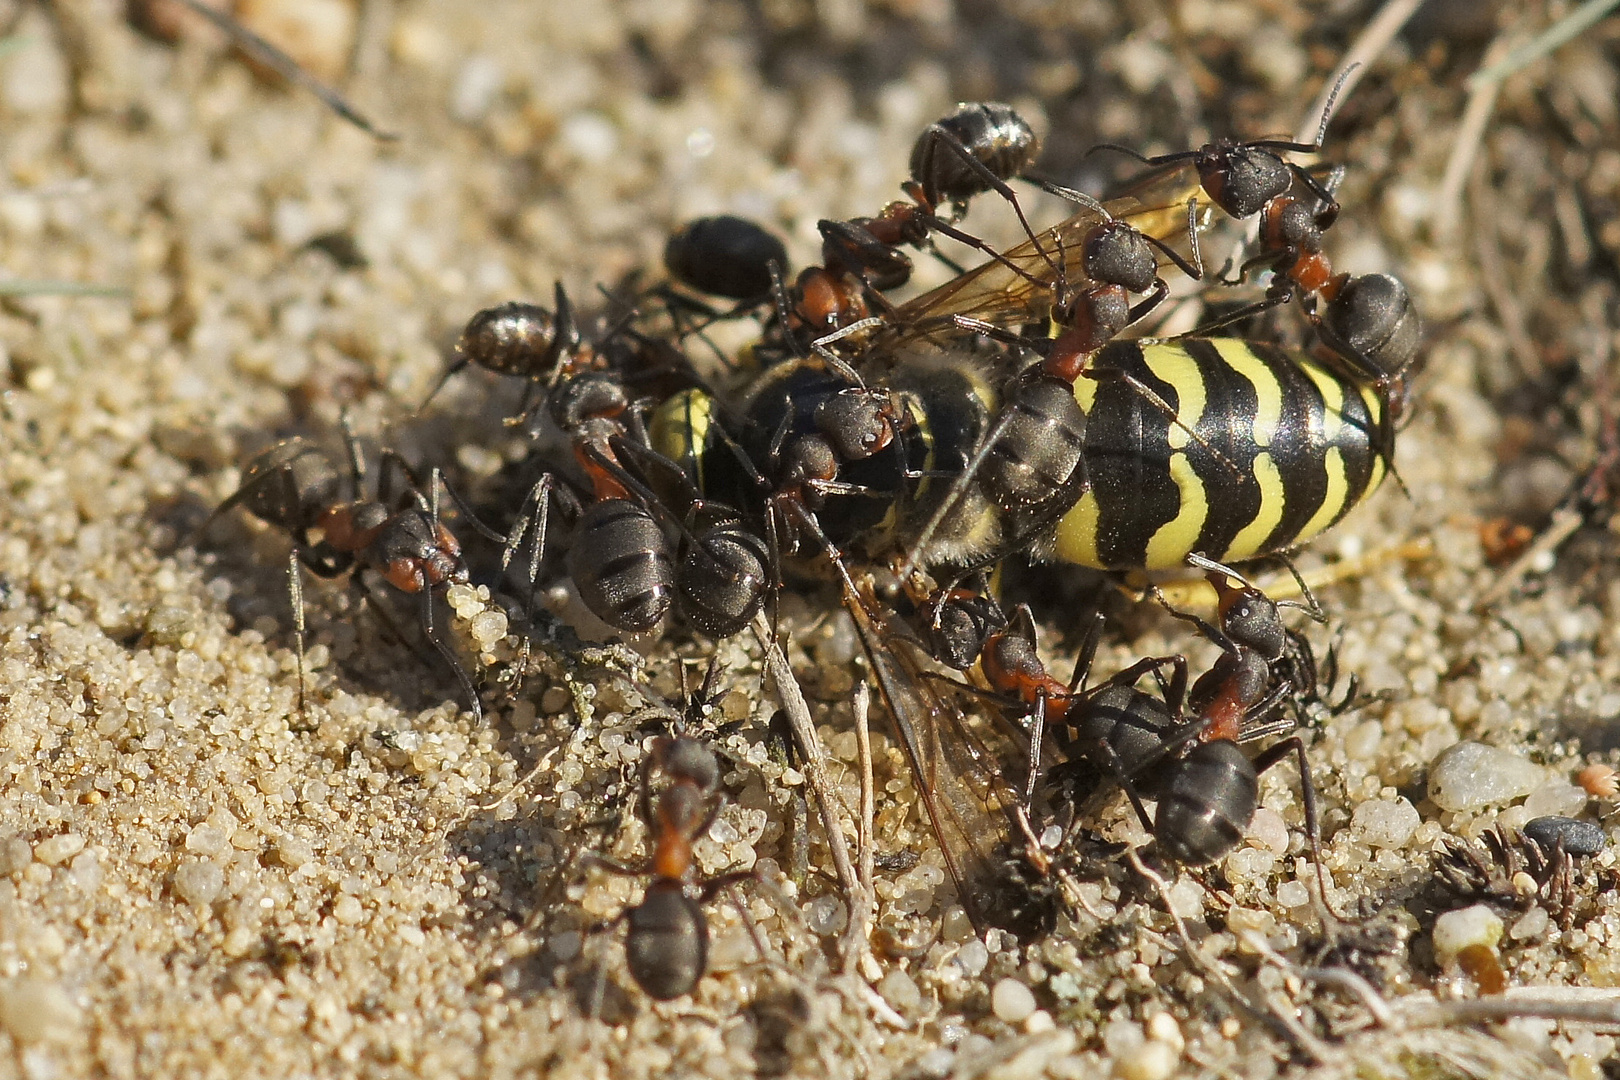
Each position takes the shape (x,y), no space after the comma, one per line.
(857,423)
(808,458)
(1243,177)
(1116,253)
(1249,617)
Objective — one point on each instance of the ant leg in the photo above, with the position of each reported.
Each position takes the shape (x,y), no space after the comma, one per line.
(991,181)
(1205,628)
(1194,269)
(457,366)
(1311,607)
(295,596)
(838,365)
(1108,758)
(450,656)
(357,460)
(1174,691)
(1313,821)
(724,881)
(1088,653)
(1037,739)
(396,481)
(590,860)
(1140,311)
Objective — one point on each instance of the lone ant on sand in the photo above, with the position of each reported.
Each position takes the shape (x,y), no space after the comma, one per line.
(294,486)
(667,941)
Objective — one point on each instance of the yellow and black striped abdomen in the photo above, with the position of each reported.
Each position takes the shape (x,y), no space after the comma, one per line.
(1248,450)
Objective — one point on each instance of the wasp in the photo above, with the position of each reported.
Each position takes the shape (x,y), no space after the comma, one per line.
(1136,454)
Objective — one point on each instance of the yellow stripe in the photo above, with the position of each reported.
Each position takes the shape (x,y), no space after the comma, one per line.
(1273,498)
(1338,488)
(679,429)
(1267,390)
(1075,540)
(911,404)
(1174,365)
(1375,409)
(1177,537)
(1332,391)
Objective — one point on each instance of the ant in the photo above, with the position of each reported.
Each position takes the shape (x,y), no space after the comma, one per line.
(974,150)
(294,486)
(726,256)
(620,558)
(1368,321)
(667,939)
(1180,747)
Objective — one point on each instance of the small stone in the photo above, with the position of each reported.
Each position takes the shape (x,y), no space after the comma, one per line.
(488,627)
(1293,894)
(1363,741)
(1471,775)
(825,915)
(1531,925)
(1457,930)
(972,957)
(34,1011)
(1012,1001)
(15,856)
(900,991)
(168,626)
(1163,1028)
(198,882)
(1268,830)
(87,871)
(348,911)
(1187,897)
(1556,798)
(1038,1021)
(1386,823)
(566,945)
(56,850)
(1599,781)
(1153,1060)
(294,852)
(1580,837)
(207,839)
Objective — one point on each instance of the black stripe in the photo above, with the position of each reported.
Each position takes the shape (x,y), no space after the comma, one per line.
(1227,428)
(1297,446)
(1127,454)
(1355,443)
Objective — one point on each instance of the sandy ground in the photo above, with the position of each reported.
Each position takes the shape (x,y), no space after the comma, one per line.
(197,880)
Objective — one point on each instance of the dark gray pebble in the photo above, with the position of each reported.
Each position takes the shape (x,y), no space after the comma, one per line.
(1580,837)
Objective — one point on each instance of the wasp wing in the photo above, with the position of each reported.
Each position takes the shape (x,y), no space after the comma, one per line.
(958,770)
(1018,287)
